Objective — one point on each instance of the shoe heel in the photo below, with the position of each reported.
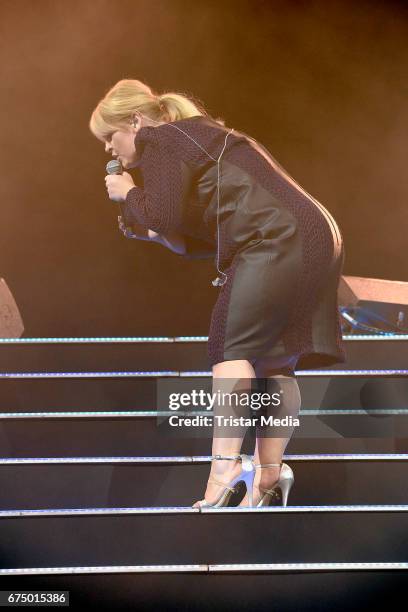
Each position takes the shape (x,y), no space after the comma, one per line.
(249,478)
(285,486)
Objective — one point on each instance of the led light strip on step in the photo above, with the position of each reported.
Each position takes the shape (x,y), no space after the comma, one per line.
(82,512)
(90,340)
(333,373)
(140,374)
(142,414)
(104,569)
(174,373)
(92,460)
(205,569)
(164,510)
(193,459)
(308,509)
(385,336)
(153,414)
(313,567)
(168,339)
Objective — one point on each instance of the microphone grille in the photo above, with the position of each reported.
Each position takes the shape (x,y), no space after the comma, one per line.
(114,167)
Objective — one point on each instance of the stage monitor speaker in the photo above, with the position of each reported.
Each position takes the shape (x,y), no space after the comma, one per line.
(11,323)
(374,303)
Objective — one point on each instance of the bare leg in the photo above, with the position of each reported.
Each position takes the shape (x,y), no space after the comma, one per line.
(228,376)
(270,449)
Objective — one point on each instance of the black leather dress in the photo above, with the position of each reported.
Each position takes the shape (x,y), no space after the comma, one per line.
(281,250)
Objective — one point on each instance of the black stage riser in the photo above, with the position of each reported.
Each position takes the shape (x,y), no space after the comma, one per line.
(169,356)
(324,482)
(202,592)
(234,537)
(72,437)
(104,356)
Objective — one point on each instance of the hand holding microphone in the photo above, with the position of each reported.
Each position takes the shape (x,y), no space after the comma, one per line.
(117,182)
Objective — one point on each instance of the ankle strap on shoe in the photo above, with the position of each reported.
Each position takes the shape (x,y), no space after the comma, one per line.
(262,465)
(232,457)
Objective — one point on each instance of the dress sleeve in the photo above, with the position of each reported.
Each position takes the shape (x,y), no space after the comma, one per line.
(167,182)
(159,204)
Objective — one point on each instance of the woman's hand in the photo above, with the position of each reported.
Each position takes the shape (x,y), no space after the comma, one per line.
(172,240)
(138,232)
(118,186)
(133,231)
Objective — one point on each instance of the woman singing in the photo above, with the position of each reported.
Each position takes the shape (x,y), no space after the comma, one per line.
(212,191)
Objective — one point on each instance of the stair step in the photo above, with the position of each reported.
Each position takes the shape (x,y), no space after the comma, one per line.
(377,423)
(346,586)
(186,536)
(160,481)
(27,435)
(135,391)
(12,446)
(374,351)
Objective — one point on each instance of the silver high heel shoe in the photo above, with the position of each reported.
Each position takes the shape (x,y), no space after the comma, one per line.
(284,483)
(246,475)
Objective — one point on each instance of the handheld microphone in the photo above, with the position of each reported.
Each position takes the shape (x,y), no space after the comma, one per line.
(115,167)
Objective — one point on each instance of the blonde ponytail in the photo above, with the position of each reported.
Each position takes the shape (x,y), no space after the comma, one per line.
(115,110)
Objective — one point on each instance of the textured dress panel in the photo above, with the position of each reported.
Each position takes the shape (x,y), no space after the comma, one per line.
(281,250)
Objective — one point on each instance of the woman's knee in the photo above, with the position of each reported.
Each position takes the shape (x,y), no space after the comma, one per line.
(234,368)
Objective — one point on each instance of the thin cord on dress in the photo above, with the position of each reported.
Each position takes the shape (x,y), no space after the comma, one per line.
(217,282)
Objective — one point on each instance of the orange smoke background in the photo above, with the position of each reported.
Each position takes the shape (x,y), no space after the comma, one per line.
(322,85)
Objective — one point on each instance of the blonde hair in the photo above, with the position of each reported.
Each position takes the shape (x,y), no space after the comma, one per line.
(115,109)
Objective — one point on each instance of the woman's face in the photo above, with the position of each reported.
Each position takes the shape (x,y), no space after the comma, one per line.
(121,144)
